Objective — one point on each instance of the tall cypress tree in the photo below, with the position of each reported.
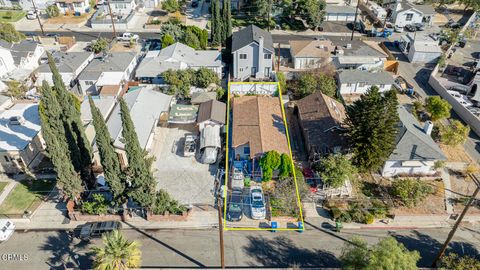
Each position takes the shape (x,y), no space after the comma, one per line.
(108,157)
(142,188)
(217,27)
(372,128)
(227,19)
(57,148)
(80,148)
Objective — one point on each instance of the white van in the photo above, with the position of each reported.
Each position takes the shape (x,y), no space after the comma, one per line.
(6,229)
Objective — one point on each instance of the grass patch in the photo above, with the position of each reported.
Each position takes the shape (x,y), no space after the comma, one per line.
(26,196)
(11,15)
(2,186)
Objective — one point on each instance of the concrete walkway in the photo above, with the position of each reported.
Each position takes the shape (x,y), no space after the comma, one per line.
(8,188)
(448,191)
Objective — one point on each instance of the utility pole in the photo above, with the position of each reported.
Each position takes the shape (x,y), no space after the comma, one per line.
(38,17)
(269,11)
(459,220)
(278,59)
(355,20)
(220,231)
(111,18)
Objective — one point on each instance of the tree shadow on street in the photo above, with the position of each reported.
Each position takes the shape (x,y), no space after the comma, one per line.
(63,247)
(282,252)
(429,247)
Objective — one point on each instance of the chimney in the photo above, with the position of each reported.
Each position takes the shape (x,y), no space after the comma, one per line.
(260,58)
(428,127)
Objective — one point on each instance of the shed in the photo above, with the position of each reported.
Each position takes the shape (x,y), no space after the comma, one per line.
(183,114)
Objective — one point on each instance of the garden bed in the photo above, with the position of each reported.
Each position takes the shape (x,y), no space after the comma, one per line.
(11,15)
(26,196)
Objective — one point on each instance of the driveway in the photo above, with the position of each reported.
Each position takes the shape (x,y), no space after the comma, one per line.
(198,16)
(185,179)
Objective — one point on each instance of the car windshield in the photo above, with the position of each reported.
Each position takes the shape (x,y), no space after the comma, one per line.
(234,207)
(257,201)
(4,229)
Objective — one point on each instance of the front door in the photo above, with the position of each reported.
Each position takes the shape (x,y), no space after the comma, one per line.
(254,71)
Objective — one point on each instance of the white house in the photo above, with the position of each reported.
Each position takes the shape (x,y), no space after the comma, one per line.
(253,53)
(73,6)
(359,81)
(415,151)
(420,48)
(69,65)
(21,143)
(7,64)
(26,54)
(121,7)
(336,13)
(177,56)
(114,68)
(308,54)
(211,113)
(405,13)
(357,54)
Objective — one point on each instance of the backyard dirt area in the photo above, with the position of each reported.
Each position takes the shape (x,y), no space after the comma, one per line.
(456,153)
(462,187)
(125,47)
(69,19)
(185,179)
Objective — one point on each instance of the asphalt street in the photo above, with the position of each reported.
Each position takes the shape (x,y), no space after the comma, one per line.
(316,247)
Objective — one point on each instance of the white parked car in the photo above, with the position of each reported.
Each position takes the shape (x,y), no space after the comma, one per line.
(128,37)
(31,15)
(398,29)
(257,203)
(6,229)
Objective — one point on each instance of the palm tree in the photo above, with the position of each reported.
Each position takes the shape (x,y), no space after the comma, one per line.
(117,254)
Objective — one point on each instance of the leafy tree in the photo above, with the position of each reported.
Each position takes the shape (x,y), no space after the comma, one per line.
(92,3)
(259,9)
(142,183)
(97,206)
(315,12)
(204,77)
(174,30)
(306,85)
(217,25)
(372,128)
(16,89)
(52,11)
(326,84)
(411,191)
(454,134)
(282,81)
(438,108)
(335,169)
(79,146)
(284,200)
(100,45)
(163,203)
(191,39)
(167,40)
(171,6)
(220,93)
(204,39)
(179,81)
(286,168)
(227,19)
(200,34)
(268,163)
(454,262)
(387,254)
(473,4)
(57,147)
(117,253)
(108,158)
(9,34)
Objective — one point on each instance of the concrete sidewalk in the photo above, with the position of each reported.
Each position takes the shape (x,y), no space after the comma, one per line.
(8,188)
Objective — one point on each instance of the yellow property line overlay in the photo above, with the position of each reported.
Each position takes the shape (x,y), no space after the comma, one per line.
(299,203)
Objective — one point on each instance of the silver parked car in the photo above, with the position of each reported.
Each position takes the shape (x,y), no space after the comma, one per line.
(257,203)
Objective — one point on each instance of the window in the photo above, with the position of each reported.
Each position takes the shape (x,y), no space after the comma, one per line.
(267,71)
(382,85)
(362,84)
(88,83)
(349,85)
(6,158)
(246,150)
(243,56)
(409,17)
(241,69)
(267,56)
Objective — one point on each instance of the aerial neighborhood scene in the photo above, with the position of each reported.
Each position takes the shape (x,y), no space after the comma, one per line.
(286,134)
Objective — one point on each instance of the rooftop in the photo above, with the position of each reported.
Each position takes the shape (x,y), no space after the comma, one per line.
(104,103)
(340,9)
(258,121)
(146,105)
(212,110)
(66,62)
(178,56)
(425,9)
(200,97)
(358,76)
(311,48)
(19,50)
(111,62)
(15,136)
(249,34)
(412,142)
(183,114)
(359,48)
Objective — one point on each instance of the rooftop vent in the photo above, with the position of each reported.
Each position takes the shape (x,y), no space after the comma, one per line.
(349,46)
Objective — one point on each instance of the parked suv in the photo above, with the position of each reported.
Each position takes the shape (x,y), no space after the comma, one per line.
(234,206)
(96,229)
(257,203)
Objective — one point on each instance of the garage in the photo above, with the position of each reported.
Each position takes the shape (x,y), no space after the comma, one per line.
(340,13)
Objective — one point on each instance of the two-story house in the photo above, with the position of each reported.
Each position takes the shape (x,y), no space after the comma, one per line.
(73,6)
(405,13)
(310,54)
(114,68)
(7,64)
(253,53)
(26,54)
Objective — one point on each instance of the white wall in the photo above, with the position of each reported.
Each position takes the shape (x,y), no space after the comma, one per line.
(6,62)
(401,18)
(306,62)
(73,7)
(242,68)
(355,88)
(47,76)
(423,57)
(394,167)
(31,61)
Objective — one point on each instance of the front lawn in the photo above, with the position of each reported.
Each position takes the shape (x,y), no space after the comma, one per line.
(26,196)
(2,186)
(11,15)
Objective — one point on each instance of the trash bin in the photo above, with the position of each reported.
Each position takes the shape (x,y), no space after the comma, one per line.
(300,227)
(274,226)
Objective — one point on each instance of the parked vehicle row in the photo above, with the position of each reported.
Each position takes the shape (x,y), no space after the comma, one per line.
(255,202)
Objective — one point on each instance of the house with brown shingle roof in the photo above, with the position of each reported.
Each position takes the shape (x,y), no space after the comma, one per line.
(212,112)
(308,54)
(321,121)
(257,126)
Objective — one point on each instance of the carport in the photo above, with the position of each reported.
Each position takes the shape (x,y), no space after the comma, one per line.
(340,13)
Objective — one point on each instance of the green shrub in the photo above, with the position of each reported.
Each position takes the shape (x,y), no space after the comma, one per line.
(345,217)
(411,191)
(369,218)
(52,11)
(246,182)
(97,206)
(336,213)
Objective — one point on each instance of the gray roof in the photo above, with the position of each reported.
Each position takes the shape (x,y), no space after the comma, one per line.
(370,78)
(115,61)
(177,56)
(251,34)
(412,142)
(66,62)
(19,50)
(145,106)
(200,97)
(103,103)
(357,48)
(425,9)
(334,9)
